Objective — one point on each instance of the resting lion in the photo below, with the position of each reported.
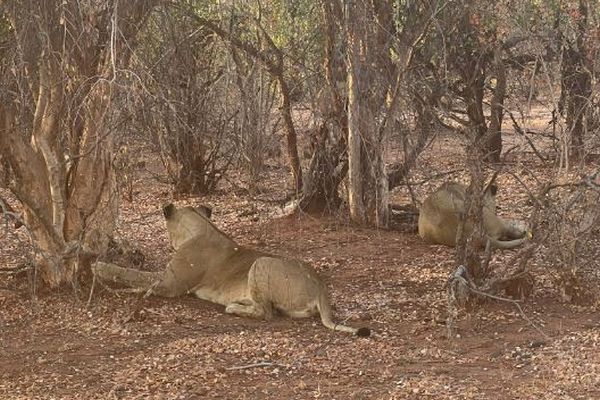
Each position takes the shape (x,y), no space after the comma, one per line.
(212,266)
(441,213)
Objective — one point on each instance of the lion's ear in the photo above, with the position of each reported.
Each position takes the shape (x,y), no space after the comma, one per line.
(492,189)
(169,210)
(204,210)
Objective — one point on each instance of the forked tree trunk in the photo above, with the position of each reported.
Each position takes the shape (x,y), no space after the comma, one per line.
(471,61)
(474,78)
(69,209)
(61,154)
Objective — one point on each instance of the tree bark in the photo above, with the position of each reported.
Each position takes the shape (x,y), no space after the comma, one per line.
(326,170)
(467,253)
(576,84)
(471,60)
(292,141)
(367,90)
(328,165)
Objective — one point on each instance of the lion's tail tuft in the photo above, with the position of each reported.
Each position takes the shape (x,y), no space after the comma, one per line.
(363,332)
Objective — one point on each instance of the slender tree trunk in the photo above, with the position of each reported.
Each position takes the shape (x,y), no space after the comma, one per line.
(355,143)
(329,163)
(475,81)
(290,130)
(577,85)
(367,179)
(494,131)
(467,249)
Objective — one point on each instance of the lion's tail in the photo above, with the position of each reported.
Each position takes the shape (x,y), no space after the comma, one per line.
(326,318)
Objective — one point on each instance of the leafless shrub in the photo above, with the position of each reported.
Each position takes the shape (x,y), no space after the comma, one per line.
(210,105)
(569,222)
(254,125)
(185,106)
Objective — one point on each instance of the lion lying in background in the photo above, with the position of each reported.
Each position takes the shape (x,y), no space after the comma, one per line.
(212,266)
(441,213)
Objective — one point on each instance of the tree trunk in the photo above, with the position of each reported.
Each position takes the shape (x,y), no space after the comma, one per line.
(188,149)
(576,85)
(467,252)
(471,60)
(329,162)
(494,131)
(475,84)
(290,130)
(367,179)
(326,170)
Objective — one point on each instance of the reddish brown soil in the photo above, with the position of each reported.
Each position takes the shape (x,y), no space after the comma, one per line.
(57,346)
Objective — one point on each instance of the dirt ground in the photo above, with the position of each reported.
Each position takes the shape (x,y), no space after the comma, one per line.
(108,344)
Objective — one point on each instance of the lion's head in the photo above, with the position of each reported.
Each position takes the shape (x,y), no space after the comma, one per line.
(185,223)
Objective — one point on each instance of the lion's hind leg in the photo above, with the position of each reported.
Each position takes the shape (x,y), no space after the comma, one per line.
(250,309)
(257,305)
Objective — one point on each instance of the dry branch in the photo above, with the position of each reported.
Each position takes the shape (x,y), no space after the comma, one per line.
(261,364)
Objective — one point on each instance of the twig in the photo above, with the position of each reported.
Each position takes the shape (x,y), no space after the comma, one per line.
(255,365)
(516,303)
(151,289)
(532,196)
(520,131)
(141,298)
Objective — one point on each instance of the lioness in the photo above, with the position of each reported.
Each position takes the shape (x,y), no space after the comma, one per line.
(441,213)
(212,266)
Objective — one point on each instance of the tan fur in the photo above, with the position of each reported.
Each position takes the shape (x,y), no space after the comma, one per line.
(212,266)
(441,213)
